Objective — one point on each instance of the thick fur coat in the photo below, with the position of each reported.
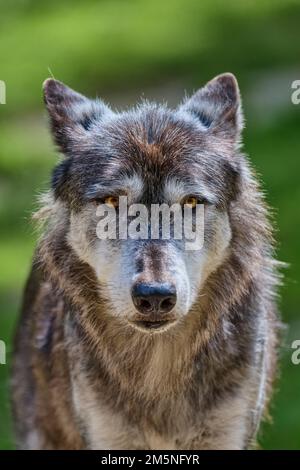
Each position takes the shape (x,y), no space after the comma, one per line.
(88,371)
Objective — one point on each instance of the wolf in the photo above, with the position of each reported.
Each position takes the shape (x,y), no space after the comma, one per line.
(142,344)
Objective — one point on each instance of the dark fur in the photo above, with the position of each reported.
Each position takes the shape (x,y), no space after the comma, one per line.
(66,329)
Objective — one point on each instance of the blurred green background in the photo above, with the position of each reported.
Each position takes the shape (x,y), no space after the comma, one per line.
(122,50)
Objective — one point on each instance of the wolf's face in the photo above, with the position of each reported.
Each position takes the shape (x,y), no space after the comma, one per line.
(148,156)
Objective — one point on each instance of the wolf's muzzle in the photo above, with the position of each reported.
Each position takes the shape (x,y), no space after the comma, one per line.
(154,299)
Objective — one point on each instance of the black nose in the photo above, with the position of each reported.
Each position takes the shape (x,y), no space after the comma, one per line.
(154,297)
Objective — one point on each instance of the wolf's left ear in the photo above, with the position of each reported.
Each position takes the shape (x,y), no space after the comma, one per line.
(71,114)
(218,106)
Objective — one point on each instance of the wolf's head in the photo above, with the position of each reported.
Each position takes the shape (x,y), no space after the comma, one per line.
(149,155)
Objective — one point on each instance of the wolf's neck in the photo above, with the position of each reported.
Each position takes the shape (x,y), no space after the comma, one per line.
(141,366)
(151,362)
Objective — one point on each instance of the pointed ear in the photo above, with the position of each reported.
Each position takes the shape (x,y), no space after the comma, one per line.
(218,106)
(72,115)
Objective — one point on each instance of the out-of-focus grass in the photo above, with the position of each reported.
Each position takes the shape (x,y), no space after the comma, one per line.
(127,46)
(274,152)
(283,430)
(114,44)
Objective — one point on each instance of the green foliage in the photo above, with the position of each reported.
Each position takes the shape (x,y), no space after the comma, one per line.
(124,48)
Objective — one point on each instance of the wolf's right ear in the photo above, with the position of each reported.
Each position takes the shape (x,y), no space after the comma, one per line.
(72,115)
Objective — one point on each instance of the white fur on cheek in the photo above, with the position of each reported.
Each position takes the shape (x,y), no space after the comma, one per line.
(106,261)
(200,264)
(77,236)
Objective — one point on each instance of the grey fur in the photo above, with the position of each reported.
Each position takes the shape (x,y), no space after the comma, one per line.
(84,375)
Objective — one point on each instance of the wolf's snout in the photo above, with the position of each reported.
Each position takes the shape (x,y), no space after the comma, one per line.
(154,298)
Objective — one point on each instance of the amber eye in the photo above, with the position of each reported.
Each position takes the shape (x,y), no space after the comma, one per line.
(190,201)
(112,201)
